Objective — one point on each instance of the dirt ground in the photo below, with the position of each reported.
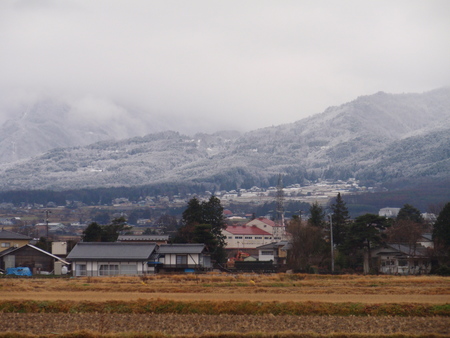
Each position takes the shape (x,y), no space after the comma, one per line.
(273,288)
(213,296)
(50,323)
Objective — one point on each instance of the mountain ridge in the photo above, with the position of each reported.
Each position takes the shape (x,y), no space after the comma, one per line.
(375,138)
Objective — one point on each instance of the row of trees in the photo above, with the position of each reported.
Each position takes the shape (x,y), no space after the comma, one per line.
(105,233)
(352,238)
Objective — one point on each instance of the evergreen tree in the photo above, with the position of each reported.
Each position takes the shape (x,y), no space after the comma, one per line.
(213,215)
(363,234)
(111,232)
(193,213)
(441,232)
(339,217)
(202,234)
(93,233)
(204,222)
(106,233)
(317,215)
(410,213)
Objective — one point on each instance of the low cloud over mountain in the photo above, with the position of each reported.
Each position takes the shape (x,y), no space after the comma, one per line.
(375,138)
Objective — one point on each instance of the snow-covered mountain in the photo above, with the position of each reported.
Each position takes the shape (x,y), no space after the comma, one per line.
(45,123)
(375,138)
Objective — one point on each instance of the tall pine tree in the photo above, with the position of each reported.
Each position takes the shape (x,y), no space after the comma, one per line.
(204,222)
(410,213)
(317,215)
(441,235)
(339,217)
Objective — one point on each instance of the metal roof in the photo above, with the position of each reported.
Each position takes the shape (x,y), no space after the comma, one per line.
(7,252)
(112,251)
(148,238)
(273,245)
(5,234)
(181,248)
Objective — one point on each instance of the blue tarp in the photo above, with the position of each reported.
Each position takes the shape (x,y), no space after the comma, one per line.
(18,271)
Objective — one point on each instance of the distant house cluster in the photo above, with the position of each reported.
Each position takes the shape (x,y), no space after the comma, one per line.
(259,241)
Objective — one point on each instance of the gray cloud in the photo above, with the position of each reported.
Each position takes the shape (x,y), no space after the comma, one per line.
(221,64)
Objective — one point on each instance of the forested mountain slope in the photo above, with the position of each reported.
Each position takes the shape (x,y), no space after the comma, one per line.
(376,138)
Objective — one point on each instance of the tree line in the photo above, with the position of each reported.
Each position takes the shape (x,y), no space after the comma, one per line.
(311,240)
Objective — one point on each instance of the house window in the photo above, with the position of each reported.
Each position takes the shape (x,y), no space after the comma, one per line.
(181,259)
(237,237)
(258,237)
(402,262)
(6,244)
(266,237)
(108,270)
(230,237)
(80,270)
(266,252)
(248,237)
(128,269)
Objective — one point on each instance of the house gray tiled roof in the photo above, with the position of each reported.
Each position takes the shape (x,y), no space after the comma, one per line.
(398,249)
(181,248)
(147,238)
(5,234)
(273,245)
(112,251)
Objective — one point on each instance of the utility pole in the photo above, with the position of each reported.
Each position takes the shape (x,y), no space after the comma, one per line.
(332,244)
(46,227)
(280,201)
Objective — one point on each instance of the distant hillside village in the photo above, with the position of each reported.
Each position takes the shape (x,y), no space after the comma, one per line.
(208,236)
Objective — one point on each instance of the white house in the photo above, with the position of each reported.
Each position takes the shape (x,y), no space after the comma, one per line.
(275,252)
(389,212)
(112,258)
(395,258)
(183,257)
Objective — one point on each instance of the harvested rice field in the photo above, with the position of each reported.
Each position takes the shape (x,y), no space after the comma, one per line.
(198,325)
(221,305)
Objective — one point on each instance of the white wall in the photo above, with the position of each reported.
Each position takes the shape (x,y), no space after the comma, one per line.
(245,241)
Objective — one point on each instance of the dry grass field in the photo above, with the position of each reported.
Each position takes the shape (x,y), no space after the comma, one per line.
(221,305)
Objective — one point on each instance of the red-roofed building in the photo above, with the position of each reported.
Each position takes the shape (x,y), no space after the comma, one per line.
(227,213)
(246,237)
(277,231)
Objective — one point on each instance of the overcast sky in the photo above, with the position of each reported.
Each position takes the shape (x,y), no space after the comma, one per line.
(224,64)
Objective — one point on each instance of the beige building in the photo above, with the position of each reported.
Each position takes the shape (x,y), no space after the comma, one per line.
(9,239)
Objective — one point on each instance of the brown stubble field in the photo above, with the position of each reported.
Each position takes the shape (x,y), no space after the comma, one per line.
(203,306)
